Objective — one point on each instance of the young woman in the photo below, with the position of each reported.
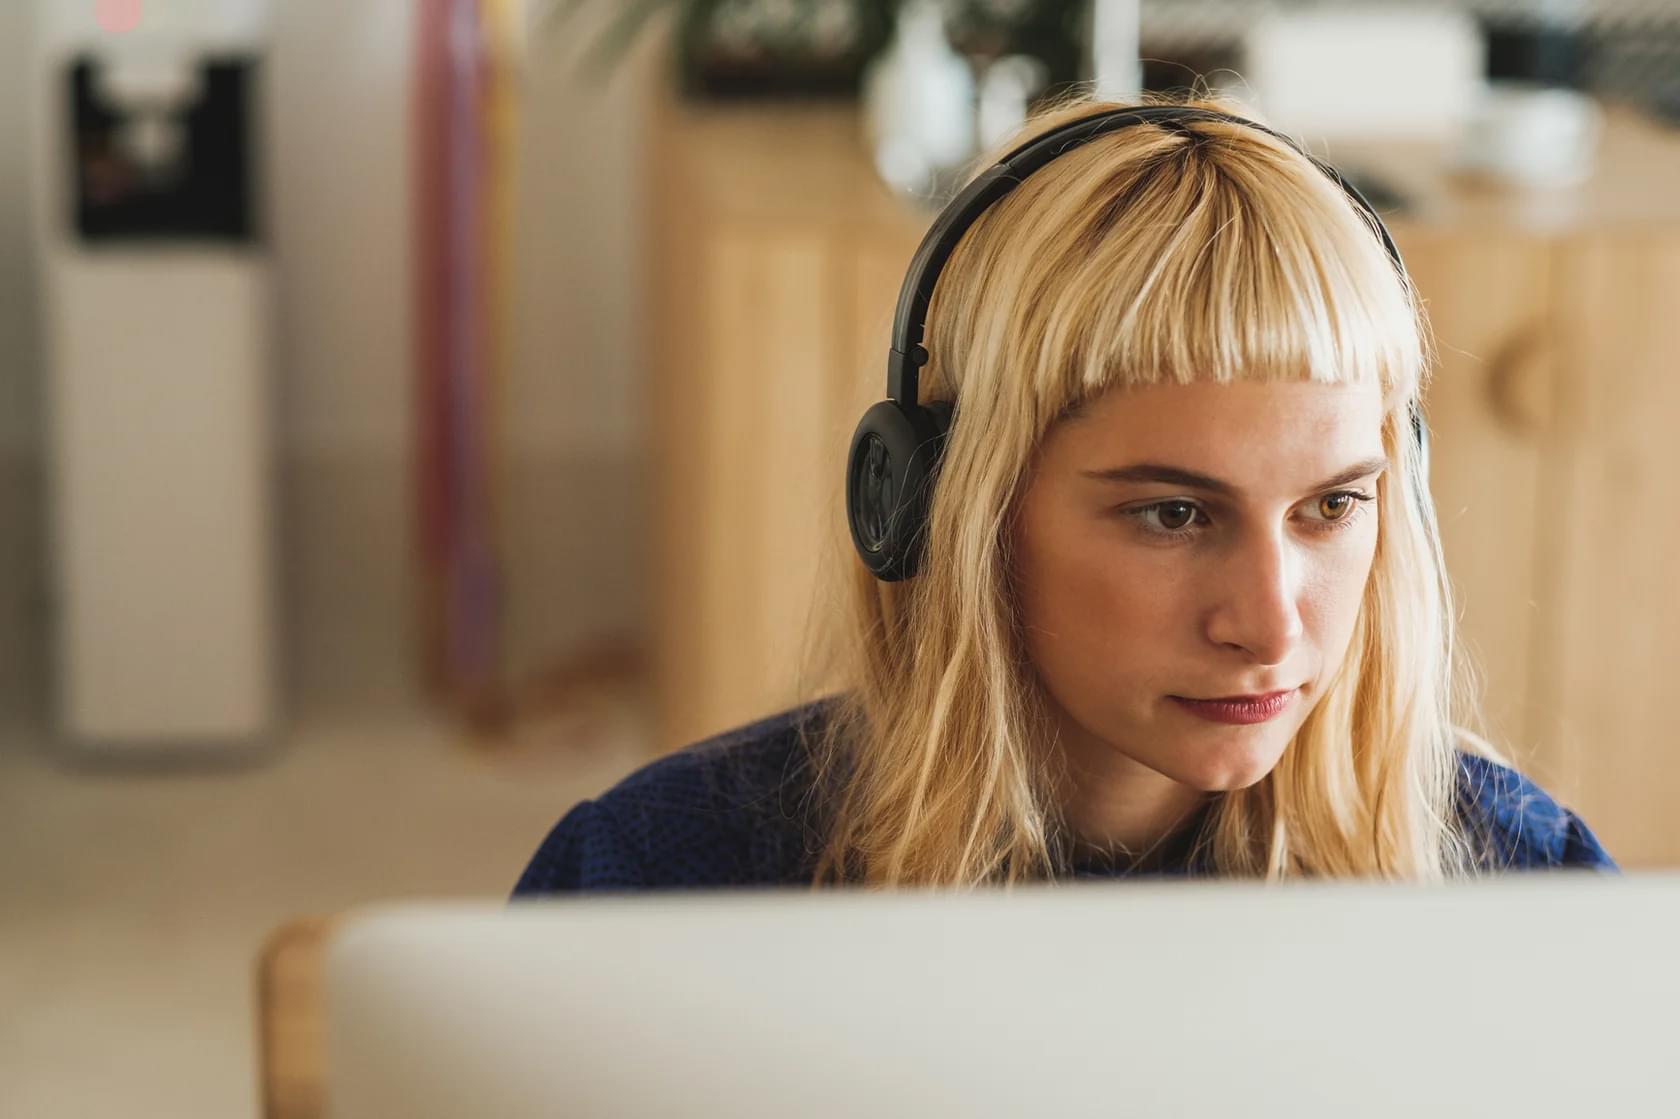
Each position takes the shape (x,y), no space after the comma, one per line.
(1176,603)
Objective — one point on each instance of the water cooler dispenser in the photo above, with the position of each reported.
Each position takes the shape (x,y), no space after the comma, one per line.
(156,303)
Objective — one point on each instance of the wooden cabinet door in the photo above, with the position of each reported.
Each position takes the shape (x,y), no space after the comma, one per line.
(1612,529)
(1487,297)
(737,540)
(780,339)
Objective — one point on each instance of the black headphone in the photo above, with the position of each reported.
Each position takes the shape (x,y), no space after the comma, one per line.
(898,444)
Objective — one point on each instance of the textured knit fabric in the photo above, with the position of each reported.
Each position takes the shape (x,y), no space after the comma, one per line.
(731,812)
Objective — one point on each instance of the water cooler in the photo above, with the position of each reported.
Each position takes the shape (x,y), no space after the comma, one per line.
(156,302)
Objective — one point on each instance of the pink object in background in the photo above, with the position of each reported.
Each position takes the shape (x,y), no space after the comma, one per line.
(461,181)
(117,16)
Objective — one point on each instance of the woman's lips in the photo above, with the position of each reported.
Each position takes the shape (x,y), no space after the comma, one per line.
(1241,711)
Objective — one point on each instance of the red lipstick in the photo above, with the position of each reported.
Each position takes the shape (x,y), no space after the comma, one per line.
(1241,710)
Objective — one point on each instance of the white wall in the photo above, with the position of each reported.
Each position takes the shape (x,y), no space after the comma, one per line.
(339,174)
(580,335)
(575,428)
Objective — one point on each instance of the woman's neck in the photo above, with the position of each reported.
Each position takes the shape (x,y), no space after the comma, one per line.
(1115,805)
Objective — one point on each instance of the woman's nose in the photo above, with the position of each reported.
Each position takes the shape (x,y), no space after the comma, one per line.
(1257,601)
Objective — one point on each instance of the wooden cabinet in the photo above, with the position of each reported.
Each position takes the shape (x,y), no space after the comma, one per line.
(789,344)
(1488,300)
(1606,662)
(776,260)
(1557,481)
(778,257)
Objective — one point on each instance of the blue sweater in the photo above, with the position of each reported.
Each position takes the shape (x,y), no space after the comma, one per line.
(730,812)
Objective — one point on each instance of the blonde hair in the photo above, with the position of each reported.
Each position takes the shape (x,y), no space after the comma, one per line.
(1148,255)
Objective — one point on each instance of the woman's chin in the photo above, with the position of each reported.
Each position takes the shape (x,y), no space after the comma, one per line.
(1233,761)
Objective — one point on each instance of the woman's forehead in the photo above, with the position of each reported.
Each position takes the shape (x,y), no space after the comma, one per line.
(1247,424)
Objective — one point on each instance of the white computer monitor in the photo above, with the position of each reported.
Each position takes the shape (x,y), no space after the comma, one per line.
(1538,995)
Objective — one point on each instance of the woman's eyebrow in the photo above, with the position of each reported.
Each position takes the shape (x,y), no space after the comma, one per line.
(1178,476)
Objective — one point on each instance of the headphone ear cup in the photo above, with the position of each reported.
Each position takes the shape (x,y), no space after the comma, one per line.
(890,472)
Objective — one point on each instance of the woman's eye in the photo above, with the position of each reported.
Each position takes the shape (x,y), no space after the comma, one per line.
(1335,506)
(1167,518)
(1341,508)
(1175,515)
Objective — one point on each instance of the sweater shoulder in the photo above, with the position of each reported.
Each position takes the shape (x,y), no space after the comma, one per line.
(1517,825)
(729,810)
(724,771)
